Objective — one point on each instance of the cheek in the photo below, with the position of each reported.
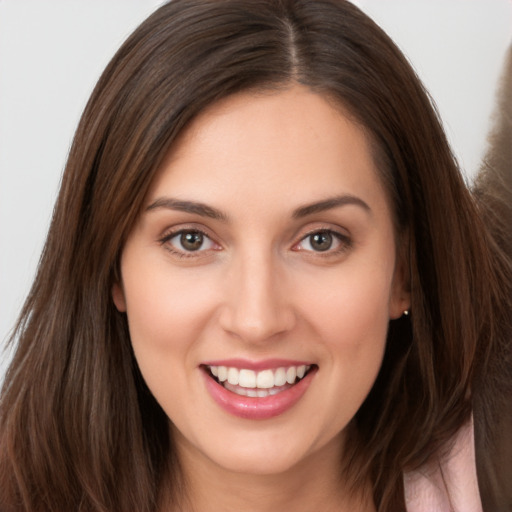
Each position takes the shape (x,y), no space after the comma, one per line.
(352,306)
(352,322)
(351,319)
(167,312)
(162,305)
(354,326)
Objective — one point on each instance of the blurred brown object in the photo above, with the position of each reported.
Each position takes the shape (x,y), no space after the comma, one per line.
(493,392)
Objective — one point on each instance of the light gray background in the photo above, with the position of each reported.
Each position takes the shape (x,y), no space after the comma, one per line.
(53,51)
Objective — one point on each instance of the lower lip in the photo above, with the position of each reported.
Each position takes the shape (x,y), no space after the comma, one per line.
(257,408)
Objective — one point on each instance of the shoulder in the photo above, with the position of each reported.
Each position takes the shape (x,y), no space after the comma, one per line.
(475,475)
(449,484)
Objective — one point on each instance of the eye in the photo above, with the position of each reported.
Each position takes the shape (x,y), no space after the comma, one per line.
(323,241)
(188,241)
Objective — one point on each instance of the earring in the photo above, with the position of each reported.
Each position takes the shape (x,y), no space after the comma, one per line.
(406,312)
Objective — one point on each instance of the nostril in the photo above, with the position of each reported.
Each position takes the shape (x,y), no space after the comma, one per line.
(258,328)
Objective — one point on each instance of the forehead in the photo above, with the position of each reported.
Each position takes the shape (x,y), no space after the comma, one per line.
(292,144)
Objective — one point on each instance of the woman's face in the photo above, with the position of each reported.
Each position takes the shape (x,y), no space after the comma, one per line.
(265,256)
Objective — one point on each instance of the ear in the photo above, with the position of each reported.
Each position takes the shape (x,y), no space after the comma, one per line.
(118,297)
(400,298)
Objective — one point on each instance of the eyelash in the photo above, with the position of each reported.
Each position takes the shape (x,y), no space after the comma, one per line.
(345,242)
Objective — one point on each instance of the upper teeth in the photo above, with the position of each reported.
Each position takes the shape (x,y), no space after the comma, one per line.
(264,379)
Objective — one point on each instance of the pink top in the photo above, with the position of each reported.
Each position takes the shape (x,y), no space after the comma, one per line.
(447,486)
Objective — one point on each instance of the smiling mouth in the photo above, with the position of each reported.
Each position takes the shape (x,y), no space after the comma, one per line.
(257,384)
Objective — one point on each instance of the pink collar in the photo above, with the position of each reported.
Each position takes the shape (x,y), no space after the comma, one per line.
(449,485)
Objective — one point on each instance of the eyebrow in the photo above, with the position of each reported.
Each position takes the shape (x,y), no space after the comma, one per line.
(328,204)
(205,210)
(189,207)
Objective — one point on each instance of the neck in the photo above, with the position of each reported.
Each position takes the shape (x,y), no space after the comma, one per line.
(316,483)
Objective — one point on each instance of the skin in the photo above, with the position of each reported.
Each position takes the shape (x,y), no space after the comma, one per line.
(257,288)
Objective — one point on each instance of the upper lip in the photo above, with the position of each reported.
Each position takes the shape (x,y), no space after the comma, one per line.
(248,364)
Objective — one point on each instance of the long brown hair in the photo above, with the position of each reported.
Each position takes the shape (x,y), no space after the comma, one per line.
(79,430)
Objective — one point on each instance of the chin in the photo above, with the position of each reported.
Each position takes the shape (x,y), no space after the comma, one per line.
(259,462)
(268,452)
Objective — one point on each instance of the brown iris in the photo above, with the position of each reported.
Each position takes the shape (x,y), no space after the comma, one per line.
(191,240)
(321,241)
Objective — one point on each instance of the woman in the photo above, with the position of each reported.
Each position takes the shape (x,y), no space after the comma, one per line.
(265,283)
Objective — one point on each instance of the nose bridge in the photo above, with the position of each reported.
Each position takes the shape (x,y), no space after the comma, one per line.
(258,307)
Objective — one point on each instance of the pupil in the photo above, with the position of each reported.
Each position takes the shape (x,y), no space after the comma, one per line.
(321,241)
(191,241)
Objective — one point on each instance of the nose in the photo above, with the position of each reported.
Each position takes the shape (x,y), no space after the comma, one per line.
(258,305)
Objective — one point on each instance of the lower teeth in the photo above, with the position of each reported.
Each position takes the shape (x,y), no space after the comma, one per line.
(255,392)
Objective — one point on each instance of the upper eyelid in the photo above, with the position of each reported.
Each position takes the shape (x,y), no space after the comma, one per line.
(335,233)
(336,230)
(170,232)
